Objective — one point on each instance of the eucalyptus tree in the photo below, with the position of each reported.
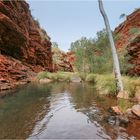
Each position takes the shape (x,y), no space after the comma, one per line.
(116,65)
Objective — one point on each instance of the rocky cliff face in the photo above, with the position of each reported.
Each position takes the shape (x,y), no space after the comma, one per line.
(25,48)
(128,36)
(62,61)
(134,52)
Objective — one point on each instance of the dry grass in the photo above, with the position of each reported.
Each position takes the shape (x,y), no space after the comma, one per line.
(104,83)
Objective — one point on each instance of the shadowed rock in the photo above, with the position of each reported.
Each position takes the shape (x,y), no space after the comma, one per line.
(25,48)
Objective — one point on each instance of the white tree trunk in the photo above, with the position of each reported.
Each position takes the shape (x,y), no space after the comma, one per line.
(114,52)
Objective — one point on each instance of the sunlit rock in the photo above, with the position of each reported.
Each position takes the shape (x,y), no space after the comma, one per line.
(123,95)
(136,110)
(45,80)
(116,110)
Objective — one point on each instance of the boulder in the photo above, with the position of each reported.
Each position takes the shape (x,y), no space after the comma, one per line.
(75,79)
(123,95)
(116,110)
(129,113)
(45,80)
(136,110)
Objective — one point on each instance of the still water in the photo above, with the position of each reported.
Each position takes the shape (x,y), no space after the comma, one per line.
(56,111)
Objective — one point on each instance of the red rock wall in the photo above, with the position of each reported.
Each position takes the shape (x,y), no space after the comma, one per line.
(21,41)
(128,36)
(63,61)
(134,51)
(123,30)
(66,62)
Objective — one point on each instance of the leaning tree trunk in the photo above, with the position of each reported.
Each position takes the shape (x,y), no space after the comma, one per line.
(114,52)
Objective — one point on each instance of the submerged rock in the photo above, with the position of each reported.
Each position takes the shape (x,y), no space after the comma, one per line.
(117,120)
(111,120)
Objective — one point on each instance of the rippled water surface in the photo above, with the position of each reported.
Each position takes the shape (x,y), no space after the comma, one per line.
(56,110)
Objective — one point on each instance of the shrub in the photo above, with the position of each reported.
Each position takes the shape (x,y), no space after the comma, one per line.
(117,36)
(134,31)
(83,76)
(105,84)
(90,78)
(124,58)
(130,84)
(63,76)
(45,74)
(42,75)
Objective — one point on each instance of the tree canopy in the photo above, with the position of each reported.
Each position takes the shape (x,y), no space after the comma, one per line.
(93,55)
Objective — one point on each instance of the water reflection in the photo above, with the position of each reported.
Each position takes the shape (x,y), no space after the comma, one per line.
(56,110)
(19,112)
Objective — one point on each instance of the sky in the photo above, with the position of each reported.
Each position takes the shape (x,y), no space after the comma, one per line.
(66,21)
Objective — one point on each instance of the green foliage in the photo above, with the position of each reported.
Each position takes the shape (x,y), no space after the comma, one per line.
(63,76)
(124,58)
(93,55)
(82,75)
(42,75)
(90,78)
(59,76)
(117,36)
(106,85)
(124,104)
(54,44)
(134,31)
(130,84)
(56,53)
(45,74)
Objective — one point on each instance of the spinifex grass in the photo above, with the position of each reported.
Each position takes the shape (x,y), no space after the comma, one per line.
(105,83)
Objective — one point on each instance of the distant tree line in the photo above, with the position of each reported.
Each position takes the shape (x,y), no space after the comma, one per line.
(94,55)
